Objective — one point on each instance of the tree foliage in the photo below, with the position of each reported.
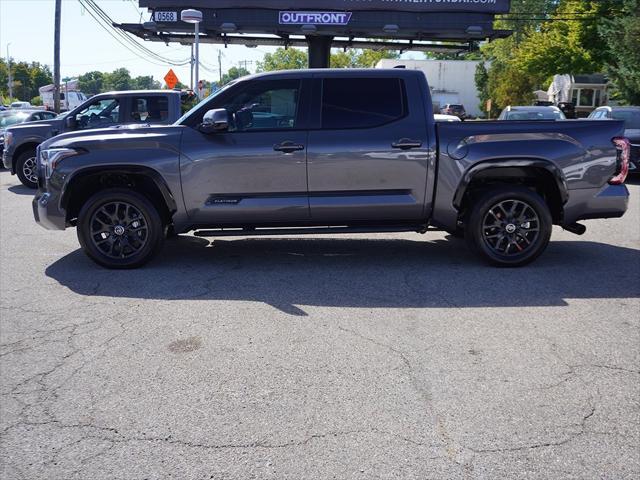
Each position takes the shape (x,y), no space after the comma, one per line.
(622,37)
(27,79)
(295,59)
(233,73)
(563,36)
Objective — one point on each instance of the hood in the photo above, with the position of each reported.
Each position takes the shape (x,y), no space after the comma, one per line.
(35,126)
(114,135)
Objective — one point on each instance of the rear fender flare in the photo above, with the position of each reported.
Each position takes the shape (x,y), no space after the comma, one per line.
(469,175)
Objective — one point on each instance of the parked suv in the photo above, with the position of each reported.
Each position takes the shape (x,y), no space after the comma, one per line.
(454,109)
(631,118)
(330,151)
(142,107)
(10,118)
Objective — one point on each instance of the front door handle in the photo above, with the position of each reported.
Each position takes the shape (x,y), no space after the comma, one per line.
(288,147)
(406,144)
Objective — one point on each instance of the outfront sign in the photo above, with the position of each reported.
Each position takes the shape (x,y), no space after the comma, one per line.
(477,6)
(315,18)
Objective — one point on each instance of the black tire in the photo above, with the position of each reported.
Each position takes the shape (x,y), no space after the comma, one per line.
(508,238)
(26,169)
(120,229)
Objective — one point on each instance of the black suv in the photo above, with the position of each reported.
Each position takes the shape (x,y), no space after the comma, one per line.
(454,109)
(631,117)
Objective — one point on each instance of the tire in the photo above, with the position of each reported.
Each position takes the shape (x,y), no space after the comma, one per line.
(120,229)
(506,237)
(26,169)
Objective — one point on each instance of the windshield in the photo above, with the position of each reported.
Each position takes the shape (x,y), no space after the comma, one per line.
(535,115)
(631,118)
(11,118)
(182,119)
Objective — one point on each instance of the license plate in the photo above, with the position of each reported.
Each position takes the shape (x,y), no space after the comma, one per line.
(166,16)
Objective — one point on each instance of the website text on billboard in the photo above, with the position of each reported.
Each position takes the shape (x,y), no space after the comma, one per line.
(483,6)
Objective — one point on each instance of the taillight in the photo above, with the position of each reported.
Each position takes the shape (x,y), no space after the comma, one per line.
(623,146)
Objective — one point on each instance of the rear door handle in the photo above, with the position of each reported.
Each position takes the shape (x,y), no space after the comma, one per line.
(288,147)
(406,144)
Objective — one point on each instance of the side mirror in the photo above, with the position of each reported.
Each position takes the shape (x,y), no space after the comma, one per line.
(216,120)
(71,122)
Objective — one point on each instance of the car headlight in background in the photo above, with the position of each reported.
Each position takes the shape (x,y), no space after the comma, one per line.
(51,157)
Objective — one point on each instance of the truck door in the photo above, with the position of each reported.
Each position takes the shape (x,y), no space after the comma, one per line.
(368,157)
(256,172)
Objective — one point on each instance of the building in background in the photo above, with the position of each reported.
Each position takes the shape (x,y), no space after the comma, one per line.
(451,81)
(585,92)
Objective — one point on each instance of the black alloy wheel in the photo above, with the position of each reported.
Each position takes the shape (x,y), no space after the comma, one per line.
(120,228)
(509,226)
(27,169)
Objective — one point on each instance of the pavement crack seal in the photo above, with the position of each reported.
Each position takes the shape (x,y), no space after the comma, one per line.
(456,453)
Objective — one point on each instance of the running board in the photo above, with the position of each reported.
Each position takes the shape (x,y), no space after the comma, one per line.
(243,232)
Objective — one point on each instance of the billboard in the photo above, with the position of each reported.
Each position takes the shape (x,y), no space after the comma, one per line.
(476,6)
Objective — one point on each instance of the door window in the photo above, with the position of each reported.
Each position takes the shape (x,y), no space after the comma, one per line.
(152,109)
(361,102)
(267,105)
(99,114)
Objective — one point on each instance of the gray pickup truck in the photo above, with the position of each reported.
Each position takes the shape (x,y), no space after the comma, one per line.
(155,107)
(330,151)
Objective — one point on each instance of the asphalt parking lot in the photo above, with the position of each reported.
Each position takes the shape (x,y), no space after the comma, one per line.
(359,357)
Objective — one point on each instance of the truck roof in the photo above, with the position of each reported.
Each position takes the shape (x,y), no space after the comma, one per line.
(139,92)
(333,72)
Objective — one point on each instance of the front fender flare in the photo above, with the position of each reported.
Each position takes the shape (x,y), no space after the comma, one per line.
(154,175)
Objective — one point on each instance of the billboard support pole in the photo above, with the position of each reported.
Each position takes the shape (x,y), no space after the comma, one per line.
(319,51)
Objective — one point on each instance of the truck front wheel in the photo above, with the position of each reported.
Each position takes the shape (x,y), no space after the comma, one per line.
(26,169)
(509,226)
(119,228)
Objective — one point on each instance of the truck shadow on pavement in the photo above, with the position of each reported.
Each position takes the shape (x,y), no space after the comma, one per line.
(385,273)
(21,190)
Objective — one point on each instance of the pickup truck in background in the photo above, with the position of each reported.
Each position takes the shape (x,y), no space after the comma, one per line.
(330,151)
(154,107)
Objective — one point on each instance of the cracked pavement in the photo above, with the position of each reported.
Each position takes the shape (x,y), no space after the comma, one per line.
(346,357)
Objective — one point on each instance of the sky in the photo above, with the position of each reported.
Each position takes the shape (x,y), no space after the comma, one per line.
(27,26)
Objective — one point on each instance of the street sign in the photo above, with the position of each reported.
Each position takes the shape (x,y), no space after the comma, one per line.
(171,79)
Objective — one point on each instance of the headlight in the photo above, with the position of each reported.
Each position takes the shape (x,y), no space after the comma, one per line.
(51,157)
(8,138)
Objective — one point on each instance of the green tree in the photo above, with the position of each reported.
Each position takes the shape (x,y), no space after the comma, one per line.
(91,83)
(233,73)
(118,80)
(482,84)
(622,37)
(145,83)
(283,59)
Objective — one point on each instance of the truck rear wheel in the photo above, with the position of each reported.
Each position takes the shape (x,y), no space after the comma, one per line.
(509,226)
(119,229)
(26,169)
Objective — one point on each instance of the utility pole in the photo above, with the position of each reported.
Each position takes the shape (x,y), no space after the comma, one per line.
(56,58)
(192,65)
(245,64)
(10,84)
(220,65)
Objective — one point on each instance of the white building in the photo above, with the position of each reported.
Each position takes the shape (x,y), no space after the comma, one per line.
(451,81)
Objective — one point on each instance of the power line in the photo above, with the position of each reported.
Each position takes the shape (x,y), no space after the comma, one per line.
(103,19)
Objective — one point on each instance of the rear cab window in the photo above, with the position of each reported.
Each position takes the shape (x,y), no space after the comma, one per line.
(362,102)
(149,109)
